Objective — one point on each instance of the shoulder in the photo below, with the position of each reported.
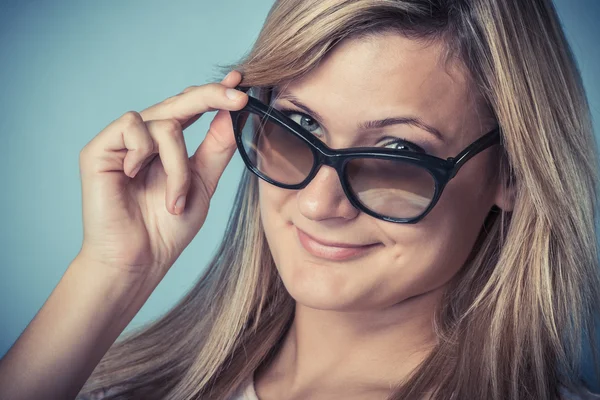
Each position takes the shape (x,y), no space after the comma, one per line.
(581,393)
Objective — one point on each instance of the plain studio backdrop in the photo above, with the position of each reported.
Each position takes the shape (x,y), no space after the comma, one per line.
(69,68)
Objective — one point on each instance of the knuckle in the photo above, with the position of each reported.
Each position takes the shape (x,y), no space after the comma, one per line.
(171,99)
(172,127)
(85,158)
(214,135)
(215,89)
(131,118)
(189,89)
(146,147)
(83,154)
(185,177)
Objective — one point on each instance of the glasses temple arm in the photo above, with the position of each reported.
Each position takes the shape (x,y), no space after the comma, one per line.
(476,147)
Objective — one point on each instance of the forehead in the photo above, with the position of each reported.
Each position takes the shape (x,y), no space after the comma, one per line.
(390,75)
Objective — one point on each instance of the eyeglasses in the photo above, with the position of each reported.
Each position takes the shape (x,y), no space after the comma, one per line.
(393,185)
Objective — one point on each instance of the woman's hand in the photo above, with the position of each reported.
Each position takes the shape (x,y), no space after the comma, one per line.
(132,219)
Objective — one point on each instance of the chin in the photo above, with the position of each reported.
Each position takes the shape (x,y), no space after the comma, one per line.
(321,302)
(319,286)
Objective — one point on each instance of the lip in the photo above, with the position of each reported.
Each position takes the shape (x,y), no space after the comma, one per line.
(329,250)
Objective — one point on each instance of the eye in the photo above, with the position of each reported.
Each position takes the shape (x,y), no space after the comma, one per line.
(303,120)
(403,145)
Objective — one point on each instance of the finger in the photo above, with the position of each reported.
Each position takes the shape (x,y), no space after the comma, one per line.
(215,151)
(140,140)
(168,136)
(196,101)
(127,134)
(230,80)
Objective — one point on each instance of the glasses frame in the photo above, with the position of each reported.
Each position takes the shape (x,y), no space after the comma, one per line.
(442,170)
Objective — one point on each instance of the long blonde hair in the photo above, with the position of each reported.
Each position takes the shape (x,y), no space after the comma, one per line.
(514,319)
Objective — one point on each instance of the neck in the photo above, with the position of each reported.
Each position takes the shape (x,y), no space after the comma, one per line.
(368,350)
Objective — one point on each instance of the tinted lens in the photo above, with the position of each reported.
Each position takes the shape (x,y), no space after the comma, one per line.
(273,150)
(391,188)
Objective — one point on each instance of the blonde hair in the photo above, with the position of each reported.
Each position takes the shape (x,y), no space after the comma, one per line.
(514,319)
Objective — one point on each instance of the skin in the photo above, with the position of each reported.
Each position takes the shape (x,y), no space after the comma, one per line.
(363,324)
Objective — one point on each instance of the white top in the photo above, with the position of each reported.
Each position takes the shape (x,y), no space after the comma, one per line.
(248,392)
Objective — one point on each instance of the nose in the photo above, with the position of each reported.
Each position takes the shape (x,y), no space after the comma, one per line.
(324,198)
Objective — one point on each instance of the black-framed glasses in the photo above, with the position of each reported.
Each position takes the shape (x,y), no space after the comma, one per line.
(394,185)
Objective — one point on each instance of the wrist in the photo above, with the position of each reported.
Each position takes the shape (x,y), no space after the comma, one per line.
(120,293)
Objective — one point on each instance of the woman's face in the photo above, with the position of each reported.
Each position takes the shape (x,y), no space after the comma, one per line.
(372,79)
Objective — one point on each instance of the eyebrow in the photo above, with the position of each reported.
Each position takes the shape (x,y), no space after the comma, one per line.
(366,125)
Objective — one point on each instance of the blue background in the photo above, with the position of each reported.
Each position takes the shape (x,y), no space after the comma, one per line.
(69,68)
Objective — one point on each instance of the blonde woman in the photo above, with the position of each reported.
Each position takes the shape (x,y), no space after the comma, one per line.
(417,220)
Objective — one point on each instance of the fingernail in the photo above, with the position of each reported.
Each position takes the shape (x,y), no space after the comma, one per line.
(233,94)
(179,204)
(136,170)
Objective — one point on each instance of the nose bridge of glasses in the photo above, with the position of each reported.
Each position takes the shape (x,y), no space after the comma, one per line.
(330,158)
(324,156)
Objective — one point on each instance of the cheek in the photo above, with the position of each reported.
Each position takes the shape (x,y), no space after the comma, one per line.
(272,199)
(274,204)
(431,252)
(422,257)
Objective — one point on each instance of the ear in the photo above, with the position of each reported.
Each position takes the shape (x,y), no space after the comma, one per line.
(505,194)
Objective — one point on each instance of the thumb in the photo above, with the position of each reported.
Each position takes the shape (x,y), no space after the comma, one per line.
(215,151)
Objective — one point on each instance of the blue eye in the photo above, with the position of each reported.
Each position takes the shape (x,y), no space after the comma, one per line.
(312,126)
(403,145)
(303,120)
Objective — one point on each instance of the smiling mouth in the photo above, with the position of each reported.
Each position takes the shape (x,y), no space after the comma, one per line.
(334,252)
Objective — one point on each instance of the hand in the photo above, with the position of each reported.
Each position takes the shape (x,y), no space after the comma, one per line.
(131,219)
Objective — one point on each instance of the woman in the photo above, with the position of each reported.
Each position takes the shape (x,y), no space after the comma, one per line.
(452,256)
